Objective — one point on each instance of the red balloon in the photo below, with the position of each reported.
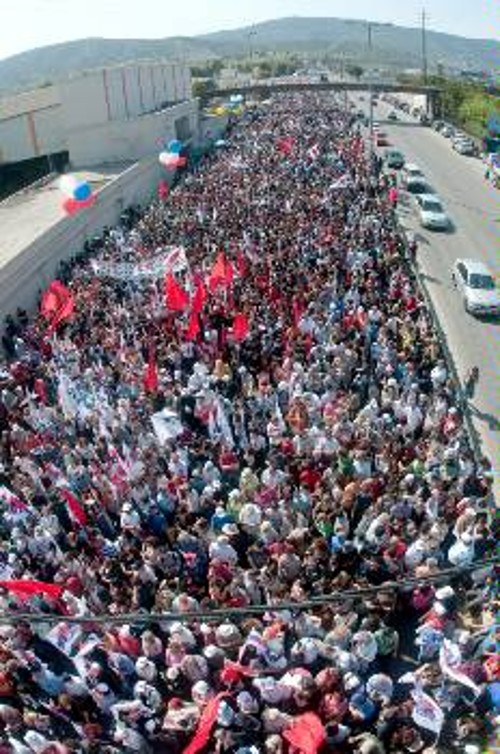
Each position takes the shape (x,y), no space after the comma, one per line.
(72,206)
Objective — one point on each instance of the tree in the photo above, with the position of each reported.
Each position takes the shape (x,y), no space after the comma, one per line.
(203,87)
(356,71)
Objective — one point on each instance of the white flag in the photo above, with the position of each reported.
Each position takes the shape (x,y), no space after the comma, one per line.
(450,658)
(427,713)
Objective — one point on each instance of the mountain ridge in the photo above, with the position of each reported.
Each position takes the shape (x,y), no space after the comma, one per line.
(391,45)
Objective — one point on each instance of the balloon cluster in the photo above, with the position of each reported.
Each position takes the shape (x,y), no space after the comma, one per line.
(77,193)
(172,158)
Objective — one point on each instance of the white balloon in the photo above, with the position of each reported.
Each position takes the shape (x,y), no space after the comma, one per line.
(68,183)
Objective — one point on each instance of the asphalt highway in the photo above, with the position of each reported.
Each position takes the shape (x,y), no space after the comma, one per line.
(474,208)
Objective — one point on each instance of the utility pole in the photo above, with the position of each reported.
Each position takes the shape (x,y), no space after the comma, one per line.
(424,47)
(370,88)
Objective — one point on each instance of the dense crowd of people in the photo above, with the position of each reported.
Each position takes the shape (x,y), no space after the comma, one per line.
(246,498)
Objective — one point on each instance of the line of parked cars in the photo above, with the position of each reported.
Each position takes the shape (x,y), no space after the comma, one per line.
(460,142)
(429,208)
(471,277)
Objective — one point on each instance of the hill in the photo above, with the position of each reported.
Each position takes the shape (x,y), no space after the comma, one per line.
(391,45)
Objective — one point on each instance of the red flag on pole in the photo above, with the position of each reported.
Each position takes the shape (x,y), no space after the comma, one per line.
(76,511)
(241,263)
(177,298)
(58,304)
(306,733)
(24,589)
(150,380)
(241,327)
(229,276)
(193,328)
(218,274)
(205,725)
(163,190)
(199,298)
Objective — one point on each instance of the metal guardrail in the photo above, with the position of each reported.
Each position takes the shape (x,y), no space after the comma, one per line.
(473,434)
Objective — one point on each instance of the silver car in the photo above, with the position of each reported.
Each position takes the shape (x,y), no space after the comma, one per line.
(477,286)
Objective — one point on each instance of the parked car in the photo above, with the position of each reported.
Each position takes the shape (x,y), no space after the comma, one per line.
(394,159)
(393,115)
(438,124)
(447,131)
(410,170)
(464,146)
(382,139)
(418,185)
(477,286)
(431,212)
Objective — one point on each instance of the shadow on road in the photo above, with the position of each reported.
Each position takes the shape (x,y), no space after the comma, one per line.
(430,278)
(492,421)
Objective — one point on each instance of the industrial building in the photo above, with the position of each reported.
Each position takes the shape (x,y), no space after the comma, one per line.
(100,116)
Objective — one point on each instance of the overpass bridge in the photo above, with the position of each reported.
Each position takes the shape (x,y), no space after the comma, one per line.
(266,88)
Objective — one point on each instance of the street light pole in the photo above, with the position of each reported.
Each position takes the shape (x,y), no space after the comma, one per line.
(370,89)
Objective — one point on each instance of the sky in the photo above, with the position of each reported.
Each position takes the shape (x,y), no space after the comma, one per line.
(25,24)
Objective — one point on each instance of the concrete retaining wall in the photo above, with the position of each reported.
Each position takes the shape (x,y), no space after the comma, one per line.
(32,270)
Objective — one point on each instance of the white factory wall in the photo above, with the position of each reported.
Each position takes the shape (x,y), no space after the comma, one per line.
(32,270)
(131,139)
(49,119)
(15,140)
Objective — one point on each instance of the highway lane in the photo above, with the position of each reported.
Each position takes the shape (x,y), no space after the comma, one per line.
(474,207)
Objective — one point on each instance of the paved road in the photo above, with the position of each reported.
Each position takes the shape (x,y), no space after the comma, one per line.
(474,207)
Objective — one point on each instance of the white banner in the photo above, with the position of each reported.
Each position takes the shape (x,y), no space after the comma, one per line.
(174,259)
(427,713)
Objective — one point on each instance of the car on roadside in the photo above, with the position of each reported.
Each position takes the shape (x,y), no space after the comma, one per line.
(464,146)
(477,286)
(431,213)
(409,171)
(447,131)
(394,159)
(417,185)
(393,115)
(438,124)
(382,139)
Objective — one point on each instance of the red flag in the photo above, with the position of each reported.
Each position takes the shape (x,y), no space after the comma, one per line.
(58,304)
(218,274)
(75,508)
(199,298)
(306,733)
(193,328)
(229,276)
(163,190)
(52,299)
(241,327)
(177,298)
(241,263)
(150,380)
(298,310)
(26,589)
(205,725)
(40,389)
(285,145)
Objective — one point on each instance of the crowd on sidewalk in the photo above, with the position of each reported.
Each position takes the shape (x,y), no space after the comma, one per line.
(272,424)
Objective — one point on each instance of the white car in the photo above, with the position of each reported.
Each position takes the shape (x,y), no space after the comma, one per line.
(477,286)
(431,212)
(410,171)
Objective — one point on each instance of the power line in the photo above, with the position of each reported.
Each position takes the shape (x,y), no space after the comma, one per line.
(235,612)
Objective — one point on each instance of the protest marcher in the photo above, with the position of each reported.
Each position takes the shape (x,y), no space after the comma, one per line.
(231,450)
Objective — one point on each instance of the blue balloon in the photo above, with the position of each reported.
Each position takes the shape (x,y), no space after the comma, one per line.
(82,192)
(175,146)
